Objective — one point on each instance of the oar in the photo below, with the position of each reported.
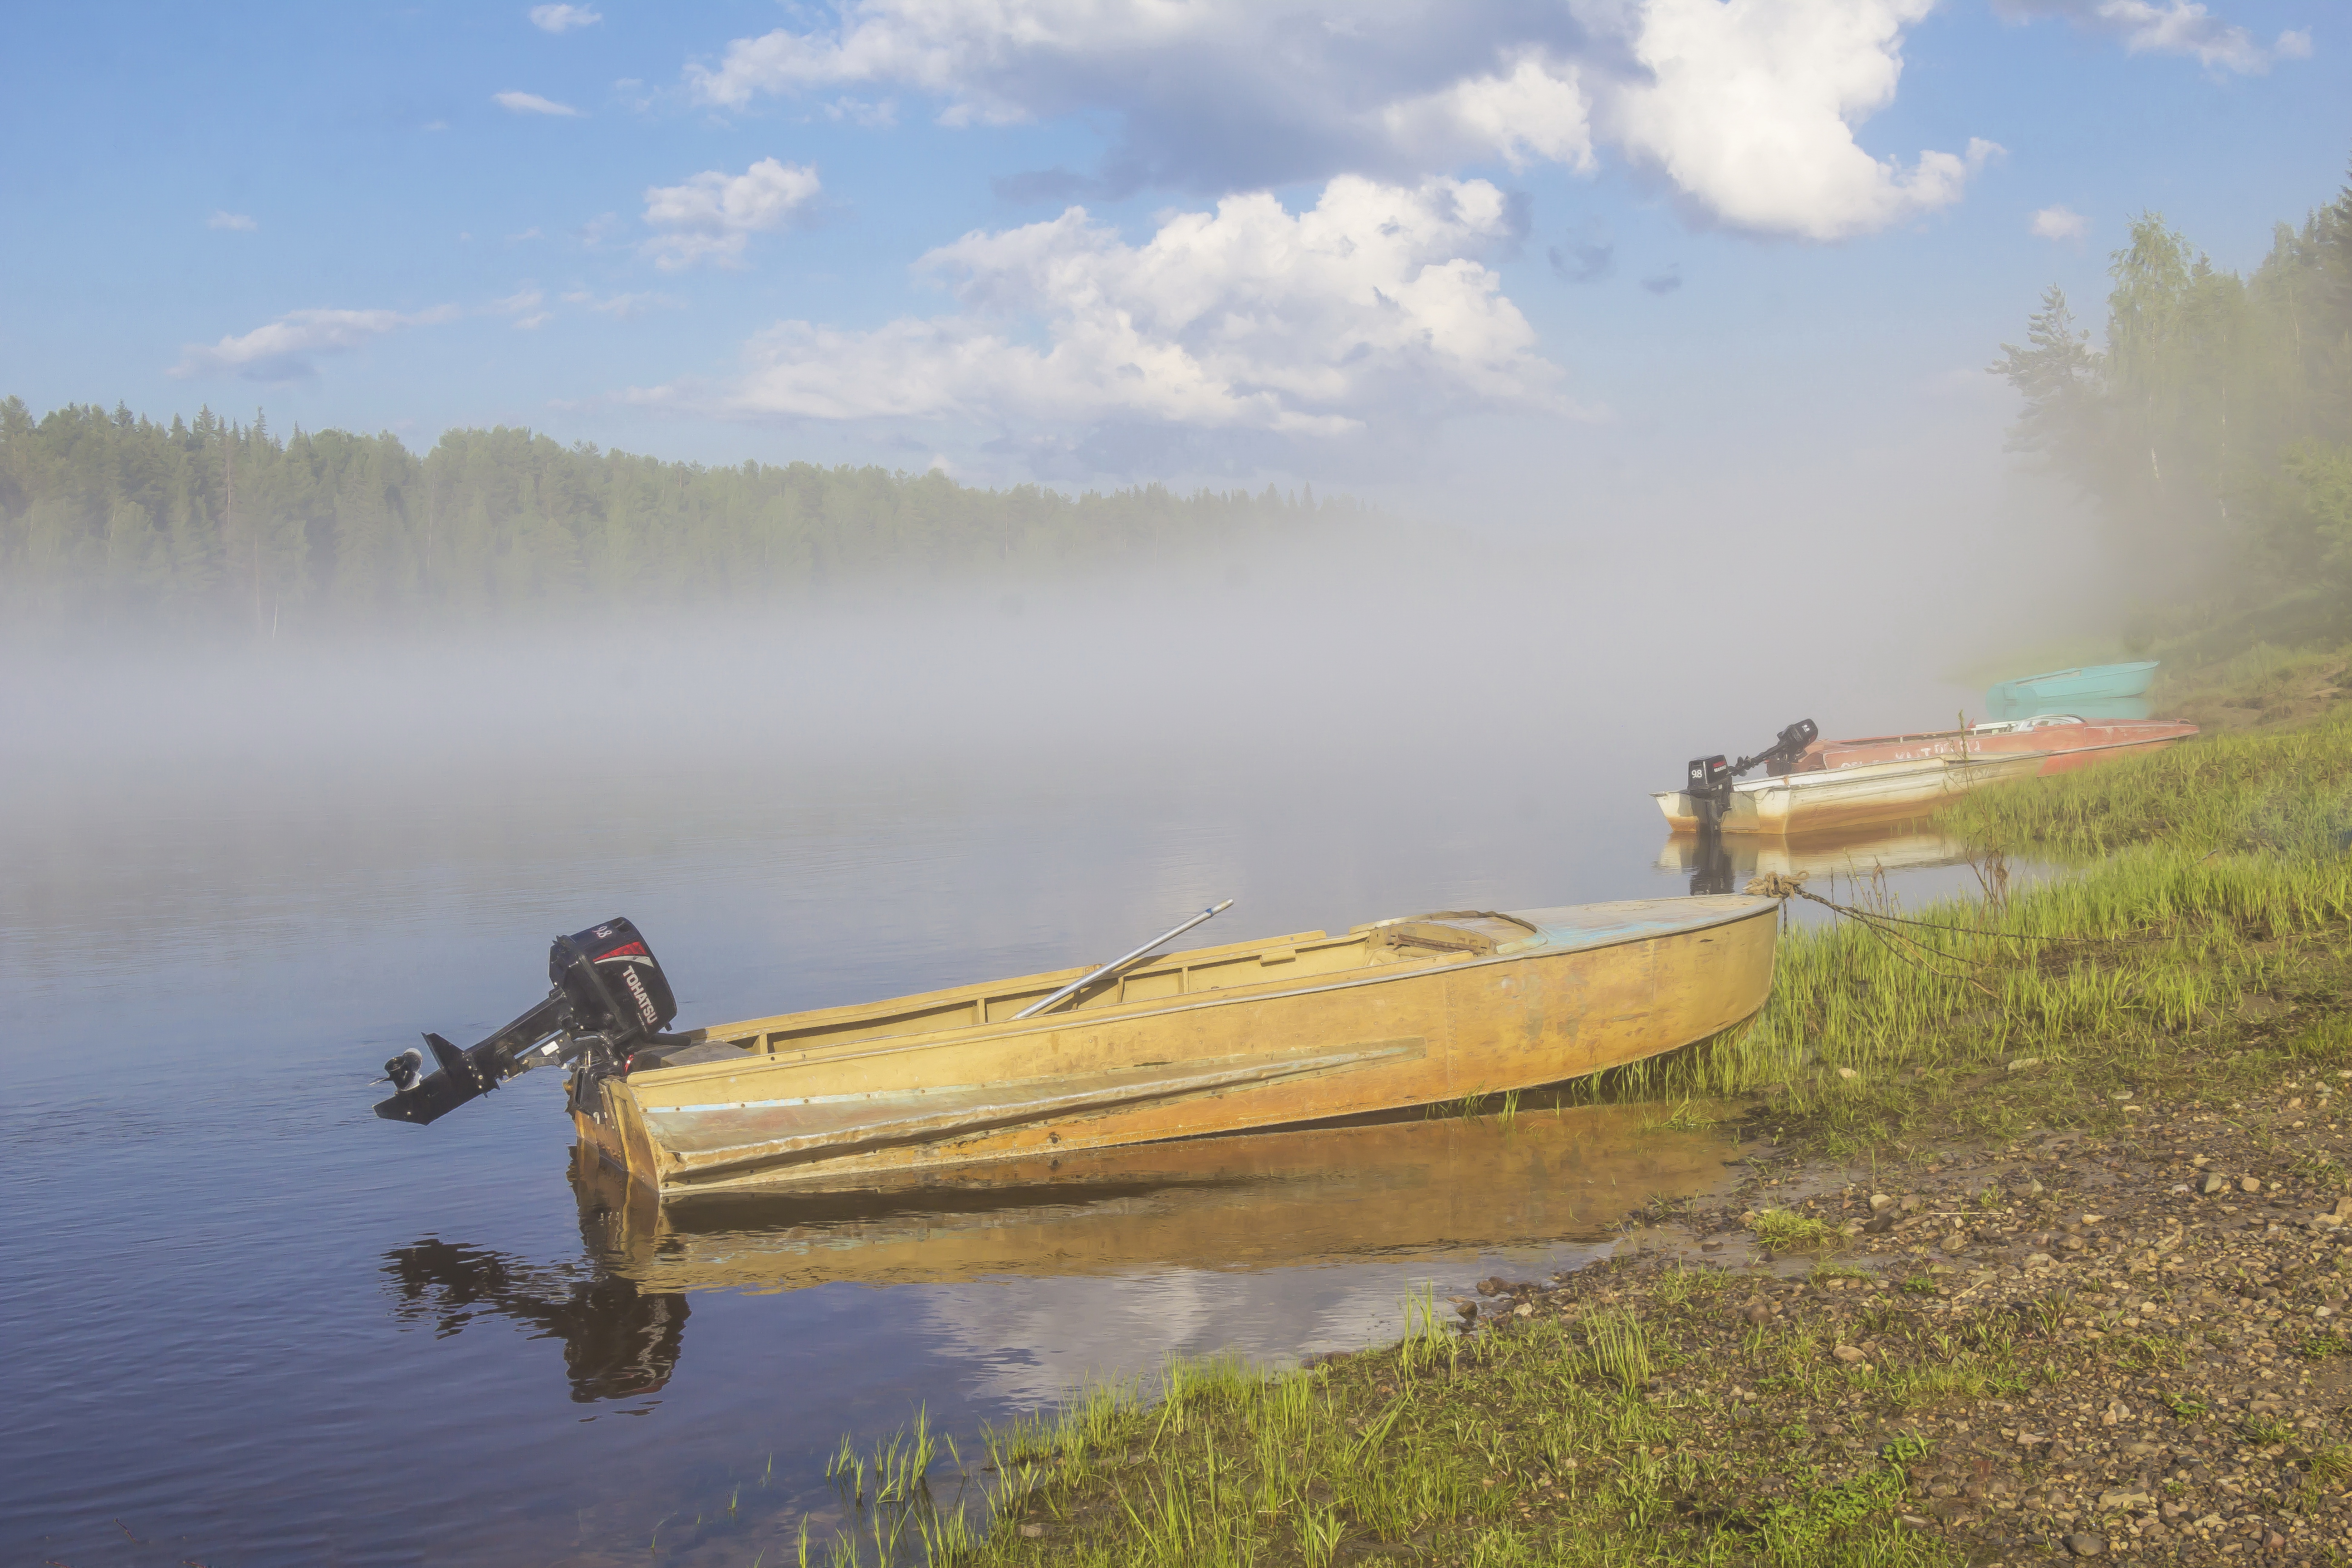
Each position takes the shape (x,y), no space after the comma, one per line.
(1117,964)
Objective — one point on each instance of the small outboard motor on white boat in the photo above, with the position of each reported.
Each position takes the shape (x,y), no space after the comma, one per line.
(609,999)
(1709,779)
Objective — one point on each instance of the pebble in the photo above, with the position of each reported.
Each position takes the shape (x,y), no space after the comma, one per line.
(2083,1544)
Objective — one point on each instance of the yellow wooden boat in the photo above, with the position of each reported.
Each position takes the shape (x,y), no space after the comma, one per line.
(1254,1034)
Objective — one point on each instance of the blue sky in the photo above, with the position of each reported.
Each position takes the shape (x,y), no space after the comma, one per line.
(1403,247)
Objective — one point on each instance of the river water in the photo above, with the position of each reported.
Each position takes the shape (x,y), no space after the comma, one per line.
(251,1325)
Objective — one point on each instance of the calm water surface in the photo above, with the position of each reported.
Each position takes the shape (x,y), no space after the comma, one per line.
(251,1325)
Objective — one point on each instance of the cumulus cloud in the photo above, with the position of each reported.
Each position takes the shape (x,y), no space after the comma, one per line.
(2166,26)
(563,18)
(287,349)
(239,221)
(1369,309)
(1747,106)
(531,103)
(712,216)
(2060,223)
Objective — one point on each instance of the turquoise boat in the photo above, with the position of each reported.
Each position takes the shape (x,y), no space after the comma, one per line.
(2089,682)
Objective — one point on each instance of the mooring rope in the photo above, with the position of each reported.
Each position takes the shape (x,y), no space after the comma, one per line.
(1773,885)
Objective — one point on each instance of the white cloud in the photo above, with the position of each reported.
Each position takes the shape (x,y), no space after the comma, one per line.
(2295,44)
(531,103)
(621,307)
(524,306)
(2166,26)
(231,220)
(285,350)
(712,216)
(563,18)
(2060,223)
(874,116)
(1749,106)
(1749,111)
(1536,111)
(1369,309)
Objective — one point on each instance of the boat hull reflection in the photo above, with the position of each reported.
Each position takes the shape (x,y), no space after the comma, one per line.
(1423,1185)
(1908,847)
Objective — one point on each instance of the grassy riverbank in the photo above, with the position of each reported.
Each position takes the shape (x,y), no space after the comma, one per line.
(2038,1255)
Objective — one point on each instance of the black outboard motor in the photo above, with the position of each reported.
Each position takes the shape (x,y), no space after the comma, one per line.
(610,998)
(1709,779)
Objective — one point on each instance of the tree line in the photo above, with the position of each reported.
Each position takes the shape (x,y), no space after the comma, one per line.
(227,529)
(2214,424)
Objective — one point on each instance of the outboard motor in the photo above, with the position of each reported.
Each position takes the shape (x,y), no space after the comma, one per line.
(609,999)
(1708,780)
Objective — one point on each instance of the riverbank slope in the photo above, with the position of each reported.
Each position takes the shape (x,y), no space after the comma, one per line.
(2039,1249)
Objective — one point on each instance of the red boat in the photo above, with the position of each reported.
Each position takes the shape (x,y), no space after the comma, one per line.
(2062,742)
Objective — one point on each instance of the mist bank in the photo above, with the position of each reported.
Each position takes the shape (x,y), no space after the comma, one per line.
(222,531)
(2212,431)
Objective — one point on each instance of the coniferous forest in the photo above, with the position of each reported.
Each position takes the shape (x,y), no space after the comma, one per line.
(2214,427)
(223,530)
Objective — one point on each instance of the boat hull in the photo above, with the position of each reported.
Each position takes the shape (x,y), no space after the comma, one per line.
(1583,989)
(2095,680)
(1859,796)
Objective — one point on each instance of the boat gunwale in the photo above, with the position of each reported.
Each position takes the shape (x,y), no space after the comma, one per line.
(1012,986)
(1159,1007)
(2133,666)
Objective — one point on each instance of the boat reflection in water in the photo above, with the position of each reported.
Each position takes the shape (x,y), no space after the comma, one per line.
(619,1340)
(1408,1186)
(1391,1199)
(1724,862)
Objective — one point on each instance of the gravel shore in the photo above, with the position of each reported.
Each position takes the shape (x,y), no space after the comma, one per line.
(2114,1342)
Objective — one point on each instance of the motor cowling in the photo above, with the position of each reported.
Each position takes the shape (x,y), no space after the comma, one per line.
(613,979)
(607,996)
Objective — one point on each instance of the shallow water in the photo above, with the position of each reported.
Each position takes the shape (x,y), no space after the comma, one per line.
(250,1323)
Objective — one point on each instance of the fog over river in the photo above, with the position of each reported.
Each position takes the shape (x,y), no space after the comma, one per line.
(253,1324)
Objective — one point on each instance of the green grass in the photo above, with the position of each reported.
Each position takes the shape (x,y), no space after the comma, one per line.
(2286,791)
(2194,879)
(1557,1443)
(1784,1230)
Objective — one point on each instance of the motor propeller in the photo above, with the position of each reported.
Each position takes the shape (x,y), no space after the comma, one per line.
(608,998)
